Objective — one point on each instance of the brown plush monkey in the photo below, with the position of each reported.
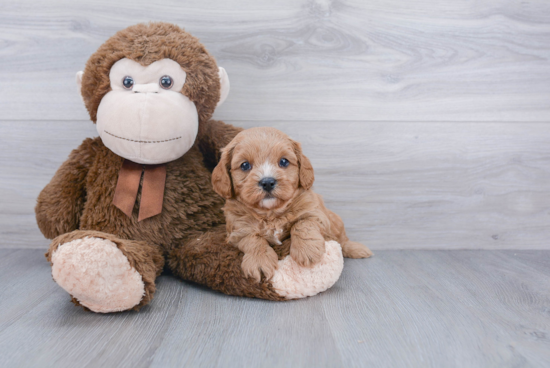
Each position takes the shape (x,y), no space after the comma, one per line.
(138,199)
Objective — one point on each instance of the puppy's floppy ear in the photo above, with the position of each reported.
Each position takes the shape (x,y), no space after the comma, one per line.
(307,176)
(221,179)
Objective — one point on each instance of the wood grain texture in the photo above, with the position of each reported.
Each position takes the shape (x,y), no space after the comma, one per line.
(303,59)
(398,309)
(396,185)
(427,125)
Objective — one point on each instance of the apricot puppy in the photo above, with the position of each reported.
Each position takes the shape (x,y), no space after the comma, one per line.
(266,180)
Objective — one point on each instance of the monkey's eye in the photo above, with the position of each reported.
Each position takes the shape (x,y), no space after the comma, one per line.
(128,82)
(284,162)
(245,166)
(166,82)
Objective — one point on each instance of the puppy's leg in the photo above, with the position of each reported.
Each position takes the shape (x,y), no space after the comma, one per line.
(350,249)
(258,257)
(307,243)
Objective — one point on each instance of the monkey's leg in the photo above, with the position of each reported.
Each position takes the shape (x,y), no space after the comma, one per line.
(104,273)
(207,259)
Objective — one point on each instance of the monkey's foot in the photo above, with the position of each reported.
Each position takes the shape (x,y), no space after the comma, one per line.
(294,282)
(97,274)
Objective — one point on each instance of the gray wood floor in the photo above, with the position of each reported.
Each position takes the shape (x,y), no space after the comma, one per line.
(428,125)
(403,308)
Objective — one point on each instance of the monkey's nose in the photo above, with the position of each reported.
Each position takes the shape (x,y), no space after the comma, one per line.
(268,184)
(146,88)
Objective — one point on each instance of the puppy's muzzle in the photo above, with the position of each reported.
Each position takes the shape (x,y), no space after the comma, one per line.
(268,184)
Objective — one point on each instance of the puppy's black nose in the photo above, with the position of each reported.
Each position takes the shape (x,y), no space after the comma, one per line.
(268,184)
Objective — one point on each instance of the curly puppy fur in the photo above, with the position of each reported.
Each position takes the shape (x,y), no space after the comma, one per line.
(77,203)
(258,219)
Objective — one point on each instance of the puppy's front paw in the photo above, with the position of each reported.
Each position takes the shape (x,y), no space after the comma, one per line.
(355,250)
(254,264)
(307,252)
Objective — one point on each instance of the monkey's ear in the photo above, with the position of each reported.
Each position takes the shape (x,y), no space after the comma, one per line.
(79,83)
(221,179)
(224,83)
(307,177)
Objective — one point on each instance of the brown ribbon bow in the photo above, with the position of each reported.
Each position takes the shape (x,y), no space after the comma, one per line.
(152,189)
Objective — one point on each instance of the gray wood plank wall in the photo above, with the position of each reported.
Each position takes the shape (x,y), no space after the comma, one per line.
(427,122)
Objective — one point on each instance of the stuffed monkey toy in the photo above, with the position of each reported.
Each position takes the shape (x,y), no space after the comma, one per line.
(138,199)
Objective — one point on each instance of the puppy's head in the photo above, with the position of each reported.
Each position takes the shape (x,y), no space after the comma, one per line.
(262,168)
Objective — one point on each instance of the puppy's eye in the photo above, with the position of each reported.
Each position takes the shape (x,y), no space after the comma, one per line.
(166,82)
(284,162)
(245,166)
(128,82)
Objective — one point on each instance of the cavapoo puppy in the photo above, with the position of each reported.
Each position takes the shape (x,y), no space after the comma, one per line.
(266,180)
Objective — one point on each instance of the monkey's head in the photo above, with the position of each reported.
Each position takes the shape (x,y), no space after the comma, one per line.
(148,88)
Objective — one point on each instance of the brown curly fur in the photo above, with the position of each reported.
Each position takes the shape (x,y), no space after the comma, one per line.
(294,210)
(202,253)
(78,200)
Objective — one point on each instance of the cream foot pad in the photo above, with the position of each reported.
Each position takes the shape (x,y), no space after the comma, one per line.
(97,274)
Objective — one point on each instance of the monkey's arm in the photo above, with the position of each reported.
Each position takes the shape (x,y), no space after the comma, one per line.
(213,136)
(61,202)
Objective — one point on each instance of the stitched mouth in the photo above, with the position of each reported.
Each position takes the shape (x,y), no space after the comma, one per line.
(136,141)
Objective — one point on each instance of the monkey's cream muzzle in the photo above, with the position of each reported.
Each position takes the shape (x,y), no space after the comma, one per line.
(147,124)
(148,121)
